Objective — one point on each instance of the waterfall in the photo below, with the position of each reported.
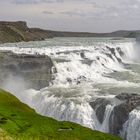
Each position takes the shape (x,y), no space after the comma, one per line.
(131,129)
(82,75)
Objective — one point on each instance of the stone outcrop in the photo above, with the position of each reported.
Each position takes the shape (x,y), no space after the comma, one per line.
(34,69)
(99,106)
(19,31)
(120,113)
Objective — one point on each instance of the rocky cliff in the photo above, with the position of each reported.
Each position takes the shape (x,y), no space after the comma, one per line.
(120,113)
(18,31)
(36,70)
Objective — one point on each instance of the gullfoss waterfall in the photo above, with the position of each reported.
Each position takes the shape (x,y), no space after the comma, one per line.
(93,79)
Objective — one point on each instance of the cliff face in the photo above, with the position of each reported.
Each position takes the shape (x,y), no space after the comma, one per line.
(19,31)
(11,32)
(21,25)
(35,70)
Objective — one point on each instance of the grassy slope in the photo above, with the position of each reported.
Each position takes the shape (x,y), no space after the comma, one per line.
(18,121)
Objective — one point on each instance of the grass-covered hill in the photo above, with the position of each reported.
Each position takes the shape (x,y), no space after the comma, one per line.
(20,122)
(19,31)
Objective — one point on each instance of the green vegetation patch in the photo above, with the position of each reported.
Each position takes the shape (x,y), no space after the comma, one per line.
(10,34)
(20,122)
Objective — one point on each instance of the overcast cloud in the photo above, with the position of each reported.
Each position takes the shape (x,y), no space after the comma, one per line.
(74,15)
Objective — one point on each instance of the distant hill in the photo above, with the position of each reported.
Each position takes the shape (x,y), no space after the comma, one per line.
(19,31)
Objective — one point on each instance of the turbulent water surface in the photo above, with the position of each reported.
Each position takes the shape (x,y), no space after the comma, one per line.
(87,69)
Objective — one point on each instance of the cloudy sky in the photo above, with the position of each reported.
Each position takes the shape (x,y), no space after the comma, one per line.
(74,15)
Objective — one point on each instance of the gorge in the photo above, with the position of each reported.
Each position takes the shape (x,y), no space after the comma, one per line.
(91,81)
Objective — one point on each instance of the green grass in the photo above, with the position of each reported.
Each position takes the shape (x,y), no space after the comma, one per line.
(10,34)
(19,122)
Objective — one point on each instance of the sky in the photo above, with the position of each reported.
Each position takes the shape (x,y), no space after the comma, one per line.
(74,15)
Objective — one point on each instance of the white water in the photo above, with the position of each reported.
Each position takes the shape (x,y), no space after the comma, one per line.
(82,76)
(131,130)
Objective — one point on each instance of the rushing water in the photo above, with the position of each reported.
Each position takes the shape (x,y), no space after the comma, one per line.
(87,68)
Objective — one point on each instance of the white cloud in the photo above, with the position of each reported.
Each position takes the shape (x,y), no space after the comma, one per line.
(82,15)
(35,1)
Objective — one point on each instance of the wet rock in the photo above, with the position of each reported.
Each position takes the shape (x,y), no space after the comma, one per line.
(118,117)
(123,104)
(99,105)
(112,50)
(87,61)
(120,51)
(82,54)
(69,80)
(109,55)
(121,112)
(132,99)
(34,69)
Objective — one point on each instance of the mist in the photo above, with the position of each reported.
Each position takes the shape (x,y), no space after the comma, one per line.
(137,49)
(14,84)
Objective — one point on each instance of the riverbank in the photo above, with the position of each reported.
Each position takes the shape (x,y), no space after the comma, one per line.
(18,121)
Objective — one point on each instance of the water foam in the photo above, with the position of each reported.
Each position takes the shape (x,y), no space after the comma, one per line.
(131,129)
